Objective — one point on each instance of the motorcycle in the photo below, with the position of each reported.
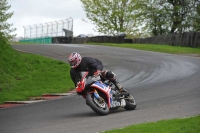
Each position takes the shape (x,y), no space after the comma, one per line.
(102,95)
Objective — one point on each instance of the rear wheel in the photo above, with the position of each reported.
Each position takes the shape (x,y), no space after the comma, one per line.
(130,102)
(97,105)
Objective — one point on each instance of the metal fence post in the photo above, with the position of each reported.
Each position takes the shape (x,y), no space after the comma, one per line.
(57,28)
(30,31)
(24,32)
(62,26)
(47,28)
(42,31)
(72,23)
(36,30)
(51,28)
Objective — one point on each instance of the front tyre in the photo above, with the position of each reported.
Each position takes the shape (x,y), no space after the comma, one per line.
(97,105)
(130,102)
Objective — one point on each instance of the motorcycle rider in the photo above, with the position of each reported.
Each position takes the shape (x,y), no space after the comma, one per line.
(93,66)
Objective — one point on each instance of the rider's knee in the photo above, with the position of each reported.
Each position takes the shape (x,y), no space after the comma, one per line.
(108,75)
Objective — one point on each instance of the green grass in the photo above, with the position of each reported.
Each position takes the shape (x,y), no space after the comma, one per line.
(187,125)
(26,75)
(157,48)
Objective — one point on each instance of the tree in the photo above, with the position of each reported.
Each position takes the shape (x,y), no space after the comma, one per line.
(5,28)
(196,22)
(143,17)
(169,16)
(111,16)
(154,18)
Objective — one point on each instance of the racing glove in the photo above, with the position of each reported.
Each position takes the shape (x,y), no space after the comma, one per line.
(97,73)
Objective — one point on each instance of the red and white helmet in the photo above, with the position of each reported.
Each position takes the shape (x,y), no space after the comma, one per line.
(74,59)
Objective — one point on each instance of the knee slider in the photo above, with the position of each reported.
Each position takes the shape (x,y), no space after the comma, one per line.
(108,75)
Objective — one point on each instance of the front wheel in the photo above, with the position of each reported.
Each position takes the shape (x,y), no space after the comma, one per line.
(130,102)
(97,105)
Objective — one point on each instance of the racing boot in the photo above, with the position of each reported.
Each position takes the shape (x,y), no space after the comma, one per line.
(118,86)
(121,89)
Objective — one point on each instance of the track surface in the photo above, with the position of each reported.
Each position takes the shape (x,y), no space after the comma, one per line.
(165,86)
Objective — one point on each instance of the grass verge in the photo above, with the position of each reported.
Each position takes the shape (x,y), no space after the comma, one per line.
(27,75)
(157,48)
(186,125)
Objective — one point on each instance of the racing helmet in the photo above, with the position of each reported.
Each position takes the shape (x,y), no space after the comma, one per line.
(74,59)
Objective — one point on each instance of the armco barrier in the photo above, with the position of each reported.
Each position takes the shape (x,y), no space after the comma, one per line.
(106,39)
(101,39)
(61,40)
(47,40)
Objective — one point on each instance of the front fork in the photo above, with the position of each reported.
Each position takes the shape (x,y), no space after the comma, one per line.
(96,94)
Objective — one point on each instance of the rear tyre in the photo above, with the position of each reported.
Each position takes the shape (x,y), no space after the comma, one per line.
(97,105)
(130,102)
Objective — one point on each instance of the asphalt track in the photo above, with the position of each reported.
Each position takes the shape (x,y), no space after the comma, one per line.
(165,86)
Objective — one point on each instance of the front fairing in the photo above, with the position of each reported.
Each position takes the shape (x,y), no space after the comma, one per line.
(100,86)
(91,83)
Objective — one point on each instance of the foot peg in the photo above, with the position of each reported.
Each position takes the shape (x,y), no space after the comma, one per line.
(125,93)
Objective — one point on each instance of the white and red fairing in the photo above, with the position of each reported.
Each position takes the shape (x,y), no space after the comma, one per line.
(105,89)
